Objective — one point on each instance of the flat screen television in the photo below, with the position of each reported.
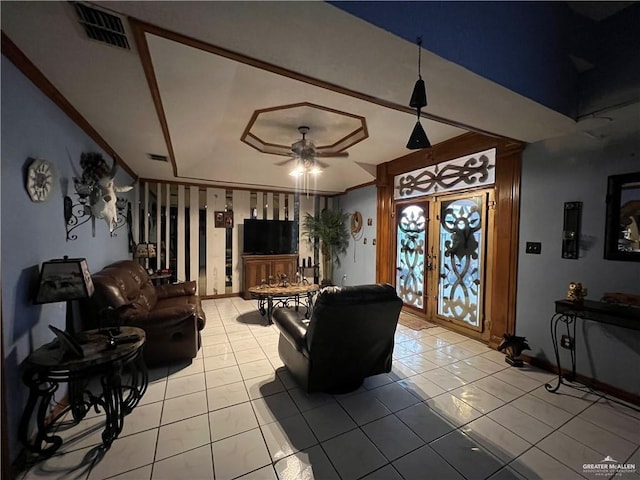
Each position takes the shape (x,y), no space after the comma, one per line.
(265,237)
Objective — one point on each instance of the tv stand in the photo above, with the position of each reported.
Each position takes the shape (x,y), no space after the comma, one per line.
(256,268)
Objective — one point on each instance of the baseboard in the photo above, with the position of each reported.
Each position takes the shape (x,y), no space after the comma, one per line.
(590,382)
(221,295)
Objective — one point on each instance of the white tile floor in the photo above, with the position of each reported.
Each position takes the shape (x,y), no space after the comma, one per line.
(450,409)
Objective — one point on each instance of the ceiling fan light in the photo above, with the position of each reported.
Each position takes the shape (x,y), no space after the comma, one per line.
(419,95)
(297,172)
(315,170)
(418,138)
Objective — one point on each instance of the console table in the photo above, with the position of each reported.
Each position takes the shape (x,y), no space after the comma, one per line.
(49,365)
(567,312)
(282,296)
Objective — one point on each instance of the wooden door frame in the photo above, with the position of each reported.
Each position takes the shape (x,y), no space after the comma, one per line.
(502,290)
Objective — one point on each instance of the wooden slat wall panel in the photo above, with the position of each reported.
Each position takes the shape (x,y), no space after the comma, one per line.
(241,211)
(216,244)
(269,206)
(181,244)
(194,235)
(167,227)
(145,236)
(291,198)
(135,214)
(305,248)
(210,247)
(158,233)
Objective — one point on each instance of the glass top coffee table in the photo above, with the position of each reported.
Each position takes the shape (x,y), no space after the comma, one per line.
(279,296)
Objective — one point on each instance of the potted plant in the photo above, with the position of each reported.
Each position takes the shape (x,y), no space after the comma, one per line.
(330,227)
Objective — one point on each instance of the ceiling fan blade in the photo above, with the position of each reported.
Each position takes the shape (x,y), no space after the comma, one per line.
(331,154)
(284,162)
(276,150)
(321,164)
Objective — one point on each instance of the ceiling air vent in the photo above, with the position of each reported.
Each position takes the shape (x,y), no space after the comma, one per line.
(102,26)
(159,158)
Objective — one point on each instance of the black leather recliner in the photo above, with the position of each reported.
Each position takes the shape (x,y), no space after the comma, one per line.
(349,337)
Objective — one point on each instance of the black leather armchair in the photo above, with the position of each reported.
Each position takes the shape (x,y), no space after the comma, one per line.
(349,337)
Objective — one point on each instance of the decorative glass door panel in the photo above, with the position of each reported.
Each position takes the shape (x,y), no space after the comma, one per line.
(411,245)
(461,258)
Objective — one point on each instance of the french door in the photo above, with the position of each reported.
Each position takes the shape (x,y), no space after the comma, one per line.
(443,245)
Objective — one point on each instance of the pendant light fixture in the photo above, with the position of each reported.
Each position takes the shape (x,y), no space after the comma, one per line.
(418,138)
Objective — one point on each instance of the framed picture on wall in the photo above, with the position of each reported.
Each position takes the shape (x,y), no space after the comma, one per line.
(224,219)
(622,235)
(219,219)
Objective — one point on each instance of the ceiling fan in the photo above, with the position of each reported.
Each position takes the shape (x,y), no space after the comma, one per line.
(305,154)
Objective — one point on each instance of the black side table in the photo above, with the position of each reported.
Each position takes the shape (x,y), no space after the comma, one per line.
(159,278)
(48,366)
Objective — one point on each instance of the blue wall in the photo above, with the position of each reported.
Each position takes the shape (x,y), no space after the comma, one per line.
(522,46)
(361,268)
(33,127)
(566,170)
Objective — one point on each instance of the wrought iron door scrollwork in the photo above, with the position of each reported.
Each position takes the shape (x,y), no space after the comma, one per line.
(475,171)
(411,250)
(460,228)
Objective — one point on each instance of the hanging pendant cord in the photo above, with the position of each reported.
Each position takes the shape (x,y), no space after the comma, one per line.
(419,42)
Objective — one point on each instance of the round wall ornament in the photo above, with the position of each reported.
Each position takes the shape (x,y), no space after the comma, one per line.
(356,223)
(39,180)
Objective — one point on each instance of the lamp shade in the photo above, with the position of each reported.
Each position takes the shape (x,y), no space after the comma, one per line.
(64,279)
(419,95)
(418,138)
(145,250)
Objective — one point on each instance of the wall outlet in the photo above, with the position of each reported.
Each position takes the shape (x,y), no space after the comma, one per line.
(566,342)
(533,247)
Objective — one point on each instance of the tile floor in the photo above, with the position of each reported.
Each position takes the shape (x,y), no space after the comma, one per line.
(450,409)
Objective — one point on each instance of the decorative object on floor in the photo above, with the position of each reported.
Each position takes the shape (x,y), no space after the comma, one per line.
(414,322)
(39,180)
(64,280)
(513,346)
(418,138)
(330,227)
(97,196)
(576,292)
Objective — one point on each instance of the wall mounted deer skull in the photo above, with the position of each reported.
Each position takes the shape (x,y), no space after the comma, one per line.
(97,186)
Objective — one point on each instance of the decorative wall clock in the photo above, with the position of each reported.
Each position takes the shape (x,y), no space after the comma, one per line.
(39,180)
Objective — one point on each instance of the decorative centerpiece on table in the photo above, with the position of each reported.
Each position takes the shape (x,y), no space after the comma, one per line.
(576,292)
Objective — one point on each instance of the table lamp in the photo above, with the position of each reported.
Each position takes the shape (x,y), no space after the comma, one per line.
(64,280)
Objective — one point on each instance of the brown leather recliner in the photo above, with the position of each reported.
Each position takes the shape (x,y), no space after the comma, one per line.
(171,315)
(349,337)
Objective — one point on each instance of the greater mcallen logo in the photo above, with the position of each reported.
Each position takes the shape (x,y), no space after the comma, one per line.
(608,466)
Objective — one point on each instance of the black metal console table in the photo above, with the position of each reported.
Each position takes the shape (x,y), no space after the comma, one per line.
(602,312)
(119,367)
